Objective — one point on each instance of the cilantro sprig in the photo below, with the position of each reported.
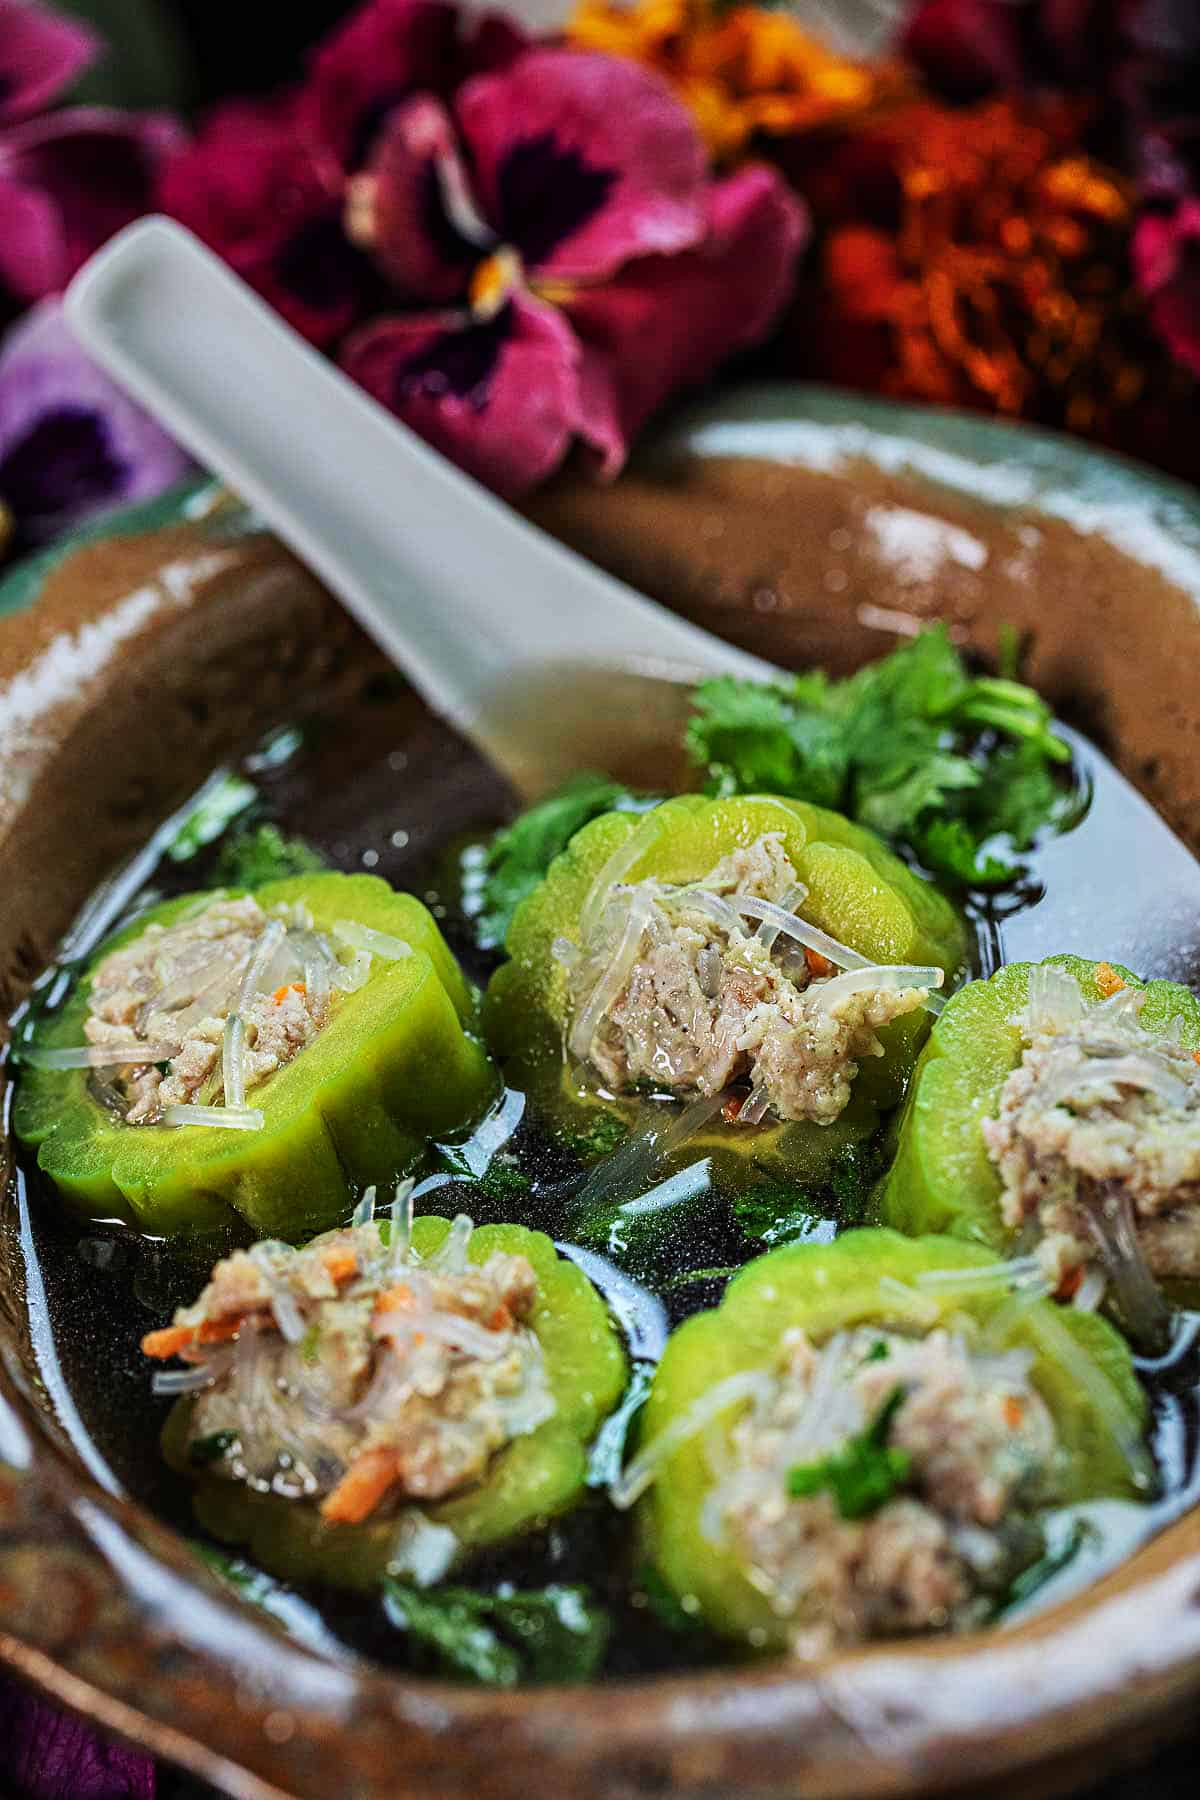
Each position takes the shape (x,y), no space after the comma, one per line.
(555,1633)
(864,1474)
(963,770)
(497,876)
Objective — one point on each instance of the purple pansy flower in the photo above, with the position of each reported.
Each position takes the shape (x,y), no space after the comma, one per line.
(41,53)
(71,444)
(49,1755)
(583,268)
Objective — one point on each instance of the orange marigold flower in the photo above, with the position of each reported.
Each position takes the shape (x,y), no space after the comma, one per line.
(743,71)
(996,274)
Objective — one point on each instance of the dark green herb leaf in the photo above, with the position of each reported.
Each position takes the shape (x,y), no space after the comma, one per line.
(560,1631)
(552,1633)
(936,759)
(948,847)
(210,1449)
(598,1139)
(252,857)
(518,857)
(878,1352)
(774,1212)
(864,1474)
(665,1606)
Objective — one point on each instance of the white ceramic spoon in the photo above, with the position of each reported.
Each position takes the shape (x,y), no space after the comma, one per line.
(541,659)
(495,623)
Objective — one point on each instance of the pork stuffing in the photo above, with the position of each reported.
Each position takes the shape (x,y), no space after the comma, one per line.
(1097,1137)
(674,990)
(972,1448)
(359,1376)
(173,988)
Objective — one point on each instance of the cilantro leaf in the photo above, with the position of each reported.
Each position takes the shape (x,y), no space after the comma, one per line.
(552,1633)
(775,1212)
(939,761)
(252,857)
(662,1602)
(497,877)
(756,739)
(597,1139)
(864,1474)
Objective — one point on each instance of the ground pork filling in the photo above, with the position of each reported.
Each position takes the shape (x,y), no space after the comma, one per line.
(176,988)
(972,1450)
(356,1374)
(1097,1142)
(677,989)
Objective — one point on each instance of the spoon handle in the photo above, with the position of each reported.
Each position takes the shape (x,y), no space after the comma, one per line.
(463,594)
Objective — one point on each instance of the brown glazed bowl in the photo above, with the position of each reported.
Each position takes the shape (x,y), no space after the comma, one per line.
(804,525)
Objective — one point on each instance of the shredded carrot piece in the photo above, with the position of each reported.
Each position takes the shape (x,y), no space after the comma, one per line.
(394,1298)
(1070,1284)
(1196,1056)
(1014,1412)
(174,1338)
(731,1109)
(1108,981)
(362,1487)
(169,1341)
(341,1263)
(218,1331)
(499,1320)
(818,966)
(289,987)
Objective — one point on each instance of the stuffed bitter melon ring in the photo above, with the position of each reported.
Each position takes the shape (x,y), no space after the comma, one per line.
(322,1002)
(1056,1108)
(859,1440)
(710,943)
(369,1403)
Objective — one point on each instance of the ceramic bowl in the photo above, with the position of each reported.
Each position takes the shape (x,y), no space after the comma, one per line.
(804,525)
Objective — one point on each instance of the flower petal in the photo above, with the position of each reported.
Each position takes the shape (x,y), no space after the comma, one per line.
(584,161)
(98,167)
(1166,259)
(71,444)
(41,53)
(49,1755)
(32,252)
(385,51)
(413,209)
(500,397)
(667,322)
(969,48)
(252,190)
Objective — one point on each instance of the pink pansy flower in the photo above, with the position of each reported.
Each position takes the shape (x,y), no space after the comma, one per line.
(560,219)
(264,182)
(1166,259)
(41,53)
(251,186)
(68,181)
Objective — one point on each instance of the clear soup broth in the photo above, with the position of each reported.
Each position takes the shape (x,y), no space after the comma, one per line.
(384,787)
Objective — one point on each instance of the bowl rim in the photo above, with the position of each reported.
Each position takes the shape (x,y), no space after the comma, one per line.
(1114,1662)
